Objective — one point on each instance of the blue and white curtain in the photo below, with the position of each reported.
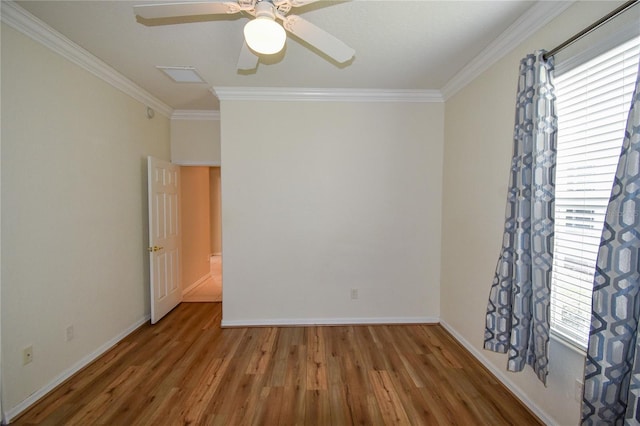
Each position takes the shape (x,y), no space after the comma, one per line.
(518,313)
(612,369)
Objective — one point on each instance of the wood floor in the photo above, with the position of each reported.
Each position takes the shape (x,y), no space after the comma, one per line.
(187,370)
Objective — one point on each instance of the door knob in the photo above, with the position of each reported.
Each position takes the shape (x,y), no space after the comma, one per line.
(154,249)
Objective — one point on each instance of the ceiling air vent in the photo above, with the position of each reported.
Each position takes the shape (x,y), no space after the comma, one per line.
(182,74)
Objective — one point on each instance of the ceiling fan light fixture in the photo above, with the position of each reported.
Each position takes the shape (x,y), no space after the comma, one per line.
(264,35)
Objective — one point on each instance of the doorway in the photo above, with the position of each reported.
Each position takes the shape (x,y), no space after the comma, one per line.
(201,234)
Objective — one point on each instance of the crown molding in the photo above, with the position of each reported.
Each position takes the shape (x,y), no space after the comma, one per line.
(24,22)
(325,95)
(531,21)
(193,114)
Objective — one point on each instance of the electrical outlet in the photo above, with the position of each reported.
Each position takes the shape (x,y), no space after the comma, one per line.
(69,333)
(578,390)
(354,294)
(27,355)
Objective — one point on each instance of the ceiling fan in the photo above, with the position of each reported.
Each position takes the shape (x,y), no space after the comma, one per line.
(263,34)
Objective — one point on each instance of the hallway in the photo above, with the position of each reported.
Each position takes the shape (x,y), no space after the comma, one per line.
(211,289)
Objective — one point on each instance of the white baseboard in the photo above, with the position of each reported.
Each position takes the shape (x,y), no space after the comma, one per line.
(327,321)
(34,397)
(522,396)
(202,279)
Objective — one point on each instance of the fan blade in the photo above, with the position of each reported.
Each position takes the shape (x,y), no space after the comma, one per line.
(318,38)
(170,10)
(247,60)
(298,3)
(286,5)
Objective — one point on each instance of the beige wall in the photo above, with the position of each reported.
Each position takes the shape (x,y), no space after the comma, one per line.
(351,196)
(478,147)
(215,210)
(74,213)
(195,142)
(348,197)
(1,403)
(196,234)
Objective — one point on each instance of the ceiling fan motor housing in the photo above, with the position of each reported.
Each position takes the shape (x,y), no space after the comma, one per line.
(265,9)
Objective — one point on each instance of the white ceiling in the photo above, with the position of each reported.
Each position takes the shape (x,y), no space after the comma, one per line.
(399,45)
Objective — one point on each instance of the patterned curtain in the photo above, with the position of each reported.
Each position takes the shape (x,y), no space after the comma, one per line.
(612,369)
(518,314)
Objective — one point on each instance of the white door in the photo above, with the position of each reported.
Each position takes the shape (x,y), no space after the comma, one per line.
(164,237)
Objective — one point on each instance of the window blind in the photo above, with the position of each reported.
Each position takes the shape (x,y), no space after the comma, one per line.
(592,104)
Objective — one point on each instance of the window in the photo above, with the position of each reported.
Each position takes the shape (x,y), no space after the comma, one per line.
(592,102)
